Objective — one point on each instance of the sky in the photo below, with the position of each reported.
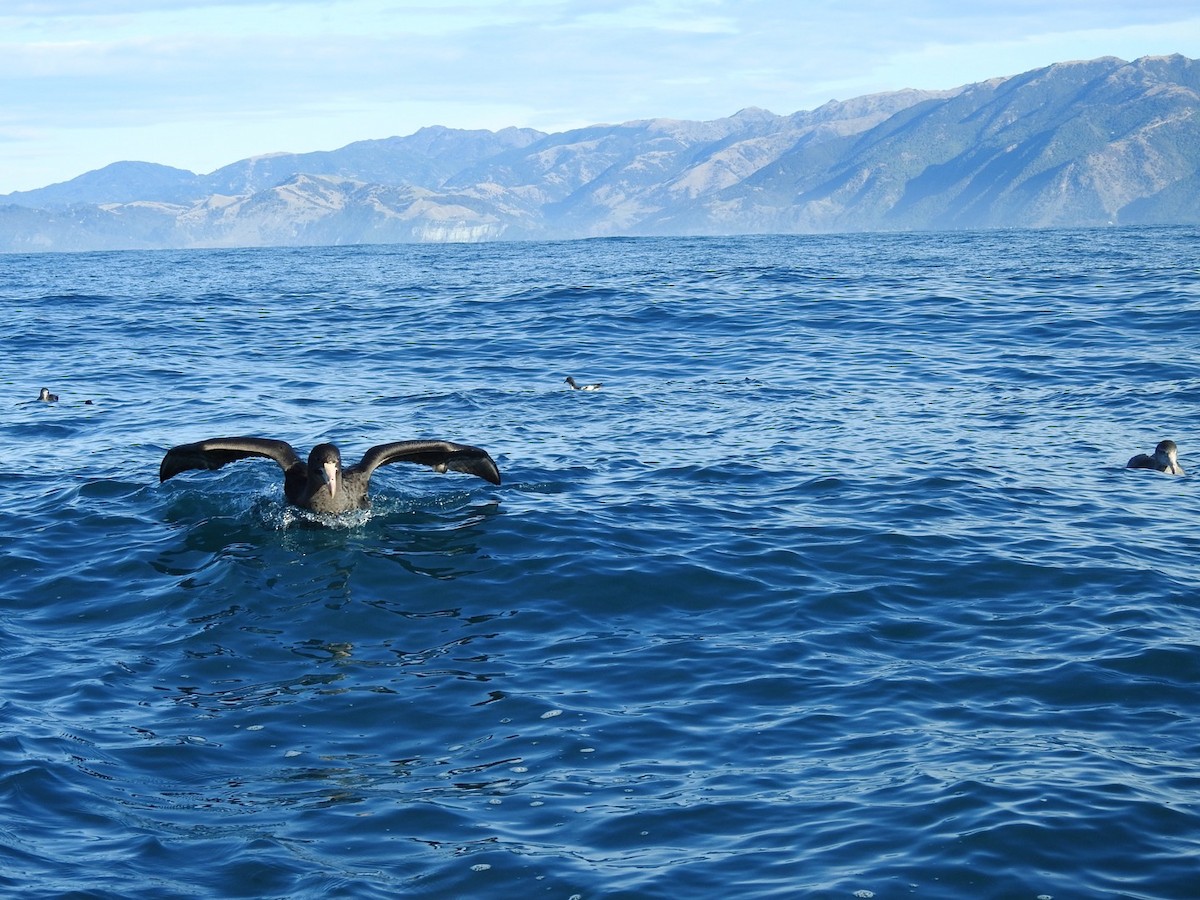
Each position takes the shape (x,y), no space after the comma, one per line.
(199,84)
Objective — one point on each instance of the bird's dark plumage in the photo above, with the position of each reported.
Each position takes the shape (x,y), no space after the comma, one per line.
(47,397)
(1164,459)
(321,484)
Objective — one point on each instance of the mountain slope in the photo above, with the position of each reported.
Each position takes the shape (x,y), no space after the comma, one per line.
(120,182)
(1071,144)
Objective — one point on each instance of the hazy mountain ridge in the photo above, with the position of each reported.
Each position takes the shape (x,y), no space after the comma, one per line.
(1081,143)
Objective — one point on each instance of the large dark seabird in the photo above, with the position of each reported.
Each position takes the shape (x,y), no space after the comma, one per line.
(323,485)
(1164,459)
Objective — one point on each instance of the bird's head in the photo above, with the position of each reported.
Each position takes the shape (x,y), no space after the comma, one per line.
(325,462)
(1170,453)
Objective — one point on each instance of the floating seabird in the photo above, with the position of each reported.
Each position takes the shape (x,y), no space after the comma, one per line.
(47,397)
(584,387)
(323,485)
(1164,459)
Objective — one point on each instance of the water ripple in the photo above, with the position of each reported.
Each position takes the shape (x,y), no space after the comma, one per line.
(838,587)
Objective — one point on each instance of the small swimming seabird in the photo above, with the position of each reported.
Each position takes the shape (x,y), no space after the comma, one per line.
(323,485)
(47,397)
(1164,459)
(584,387)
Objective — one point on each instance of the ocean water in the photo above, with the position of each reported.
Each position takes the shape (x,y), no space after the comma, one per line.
(837,588)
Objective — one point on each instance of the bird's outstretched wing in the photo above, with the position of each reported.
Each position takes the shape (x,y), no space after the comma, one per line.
(216,452)
(439,455)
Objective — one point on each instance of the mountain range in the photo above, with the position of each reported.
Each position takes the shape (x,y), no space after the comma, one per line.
(1087,143)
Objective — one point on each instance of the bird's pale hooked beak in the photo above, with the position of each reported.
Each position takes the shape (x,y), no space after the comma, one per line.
(329,472)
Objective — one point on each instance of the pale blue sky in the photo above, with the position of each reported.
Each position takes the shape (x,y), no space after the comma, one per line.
(201,83)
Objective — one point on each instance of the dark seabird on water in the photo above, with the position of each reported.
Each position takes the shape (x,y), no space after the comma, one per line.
(322,485)
(1164,459)
(583,387)
(47,397)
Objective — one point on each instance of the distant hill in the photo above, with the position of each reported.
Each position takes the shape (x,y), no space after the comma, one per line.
(1073,144)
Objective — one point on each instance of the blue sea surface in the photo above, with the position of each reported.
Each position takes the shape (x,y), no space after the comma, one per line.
(837,588)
